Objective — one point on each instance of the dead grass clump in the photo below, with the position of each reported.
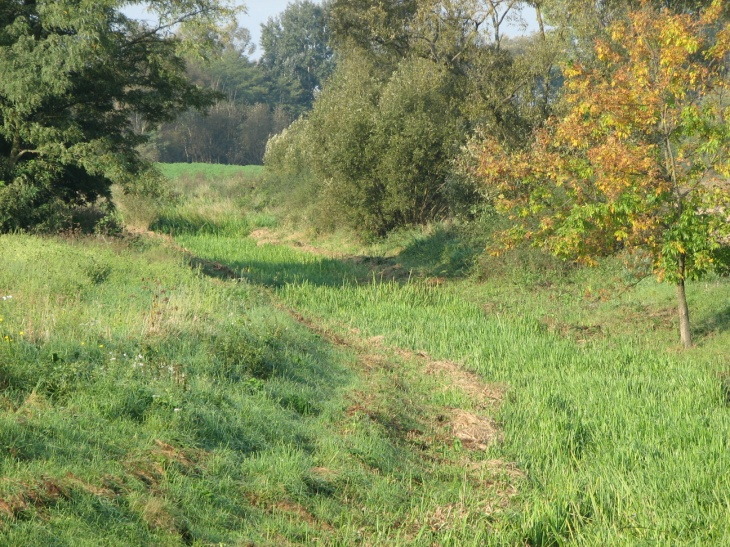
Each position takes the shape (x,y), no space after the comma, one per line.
(474,432)
(33,404)
(39,494)
(185,459)
(159,514)
(484,394)
(289,508)
(266,236)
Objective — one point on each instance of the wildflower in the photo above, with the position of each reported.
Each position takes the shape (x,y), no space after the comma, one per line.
(83,343)
(177,409)
(22,333)
(8,297)
(101,345)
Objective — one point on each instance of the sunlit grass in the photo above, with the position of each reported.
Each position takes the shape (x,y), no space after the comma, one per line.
(623,438)
(146,403)
(179,172)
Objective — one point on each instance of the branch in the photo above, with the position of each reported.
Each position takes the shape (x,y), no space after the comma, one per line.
(154,31)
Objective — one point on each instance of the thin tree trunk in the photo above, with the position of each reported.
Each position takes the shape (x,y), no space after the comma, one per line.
(15,152)
(683,309)
(538,16)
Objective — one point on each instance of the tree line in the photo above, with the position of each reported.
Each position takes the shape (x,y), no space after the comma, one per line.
(256,99)
(90,97)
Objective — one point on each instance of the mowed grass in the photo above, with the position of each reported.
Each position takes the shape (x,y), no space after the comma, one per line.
(623,439)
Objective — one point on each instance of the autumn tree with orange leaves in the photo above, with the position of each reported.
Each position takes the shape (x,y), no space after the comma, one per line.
(641,159)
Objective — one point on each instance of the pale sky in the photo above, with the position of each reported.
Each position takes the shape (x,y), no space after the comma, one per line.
(259,11)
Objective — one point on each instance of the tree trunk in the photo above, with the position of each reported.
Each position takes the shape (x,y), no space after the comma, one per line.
(684,331)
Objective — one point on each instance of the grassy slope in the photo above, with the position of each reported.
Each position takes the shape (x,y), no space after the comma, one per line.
(279,434)
(145,402)
(138,396)
(623,440)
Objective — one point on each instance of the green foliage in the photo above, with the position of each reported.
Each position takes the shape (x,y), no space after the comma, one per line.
(71,77)
(379,151)
(380,29)
(640,159)
(297,54)
(234,130)
(414,79)
(418,131)
(228,133)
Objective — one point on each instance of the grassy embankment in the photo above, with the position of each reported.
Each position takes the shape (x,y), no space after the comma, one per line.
(624,439)
(146,402)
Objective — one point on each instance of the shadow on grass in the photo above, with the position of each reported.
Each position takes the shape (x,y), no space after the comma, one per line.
(326,272)
(445,252)
(173,225)
(321,271)
(716,323)
(432,258)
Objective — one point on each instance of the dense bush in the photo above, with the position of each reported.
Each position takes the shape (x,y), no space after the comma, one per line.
(377,151)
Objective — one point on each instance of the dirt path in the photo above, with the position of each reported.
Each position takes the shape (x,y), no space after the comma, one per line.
(378,267)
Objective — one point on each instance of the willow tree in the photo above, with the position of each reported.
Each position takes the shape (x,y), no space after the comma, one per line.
(641,158)
(72,75)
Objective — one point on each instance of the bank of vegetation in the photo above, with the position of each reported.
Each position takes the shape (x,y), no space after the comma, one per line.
(445,311)
(235,383)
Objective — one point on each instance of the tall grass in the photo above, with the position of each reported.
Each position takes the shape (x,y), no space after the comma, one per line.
(144,403)
(623,440)
(620,444)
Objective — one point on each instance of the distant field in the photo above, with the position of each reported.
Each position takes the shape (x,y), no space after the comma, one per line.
(207,170)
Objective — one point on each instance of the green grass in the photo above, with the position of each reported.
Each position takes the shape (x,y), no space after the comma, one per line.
(135,391)
(177,171)
(145,403)
(622,444)
(284,400)
(622,436)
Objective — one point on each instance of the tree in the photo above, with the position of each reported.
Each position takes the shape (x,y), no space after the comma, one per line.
(413,78)
(297,53)
(236,128)
(73,76)
(638,160)
(379,28)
